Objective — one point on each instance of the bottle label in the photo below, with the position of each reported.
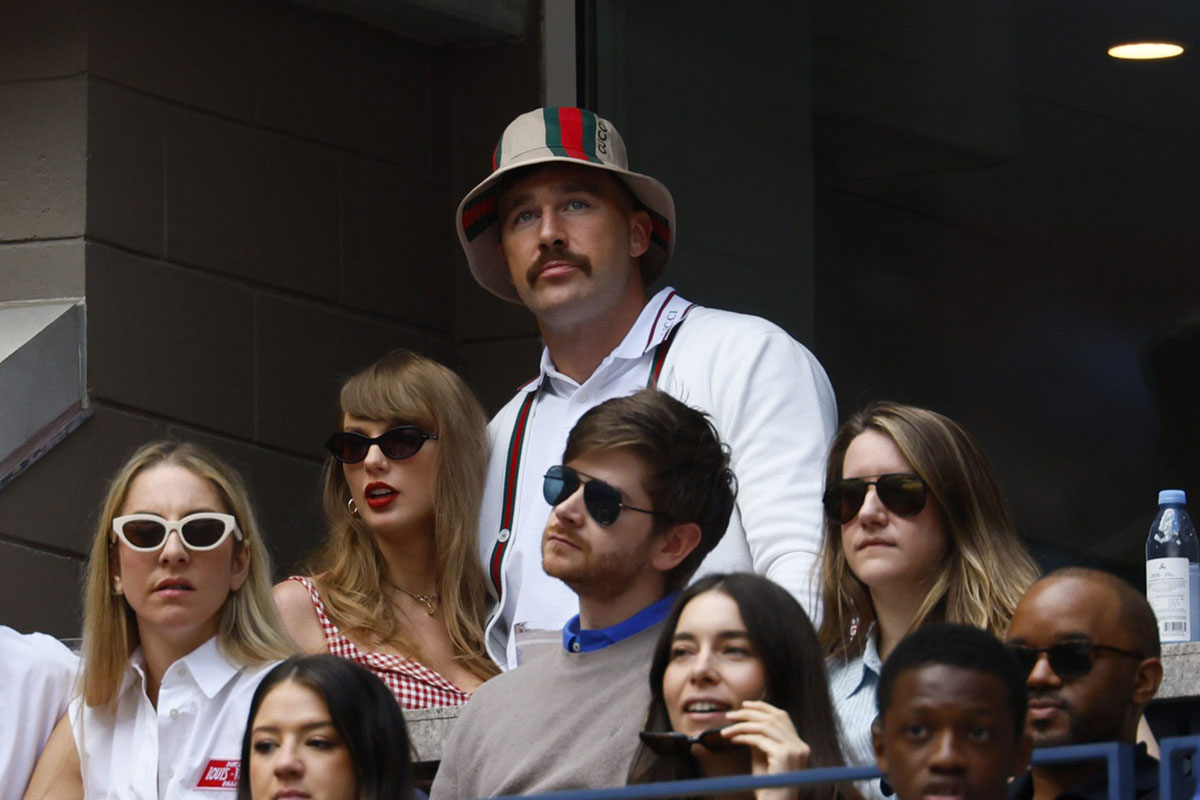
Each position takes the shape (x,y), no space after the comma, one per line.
(1167,589)
(1167,528)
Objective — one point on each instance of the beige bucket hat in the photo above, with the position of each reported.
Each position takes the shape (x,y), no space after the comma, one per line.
(575,135)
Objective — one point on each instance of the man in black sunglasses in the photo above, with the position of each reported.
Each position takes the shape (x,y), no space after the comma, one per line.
(643,494)
(1088,642)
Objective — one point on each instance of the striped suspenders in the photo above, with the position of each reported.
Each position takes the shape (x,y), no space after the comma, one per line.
(517,444)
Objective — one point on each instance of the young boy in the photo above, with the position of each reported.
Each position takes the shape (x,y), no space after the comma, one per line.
(951,716)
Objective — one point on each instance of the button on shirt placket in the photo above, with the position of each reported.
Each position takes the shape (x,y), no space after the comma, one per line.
(141,751)
(170,739)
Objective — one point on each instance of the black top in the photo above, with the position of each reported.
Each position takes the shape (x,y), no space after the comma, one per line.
(1095,786)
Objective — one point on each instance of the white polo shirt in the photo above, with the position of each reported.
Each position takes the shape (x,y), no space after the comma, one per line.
(189,747)
(37,677)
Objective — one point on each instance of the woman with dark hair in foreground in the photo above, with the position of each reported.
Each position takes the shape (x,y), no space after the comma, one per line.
(738,687)
(325,728)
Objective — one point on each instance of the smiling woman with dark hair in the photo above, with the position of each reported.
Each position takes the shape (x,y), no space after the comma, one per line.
(323,727)
(738,686)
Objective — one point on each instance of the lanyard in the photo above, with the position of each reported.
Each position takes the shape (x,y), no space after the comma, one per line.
(517,444)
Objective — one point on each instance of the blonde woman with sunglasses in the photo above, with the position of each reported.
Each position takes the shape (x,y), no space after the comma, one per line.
(398,586)
(915,531)
(179,628)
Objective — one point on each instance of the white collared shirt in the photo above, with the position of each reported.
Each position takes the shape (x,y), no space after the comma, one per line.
(37,677)
(768,398)
(852,687)
(544,603)
(189,747)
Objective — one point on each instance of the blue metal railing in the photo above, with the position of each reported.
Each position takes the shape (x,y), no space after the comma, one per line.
(704,787)
(1174,784)
(1119,758)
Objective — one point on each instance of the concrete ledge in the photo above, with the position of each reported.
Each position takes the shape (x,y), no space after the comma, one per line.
(43,375)
(427,729)
(1181,672)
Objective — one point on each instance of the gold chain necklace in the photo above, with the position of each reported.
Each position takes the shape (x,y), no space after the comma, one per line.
(429,600)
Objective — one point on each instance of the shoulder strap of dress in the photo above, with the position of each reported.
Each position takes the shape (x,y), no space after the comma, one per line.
(318,604)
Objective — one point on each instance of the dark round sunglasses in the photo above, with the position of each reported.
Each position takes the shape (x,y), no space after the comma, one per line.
(402,442)
(902,493)
(1067,659)
(673,743)
(602,500)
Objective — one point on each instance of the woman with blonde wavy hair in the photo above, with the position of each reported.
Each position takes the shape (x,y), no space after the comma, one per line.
(398,586)
(178,629)
(915,532)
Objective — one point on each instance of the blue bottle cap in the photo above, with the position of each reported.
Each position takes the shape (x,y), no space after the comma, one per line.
(1166,496)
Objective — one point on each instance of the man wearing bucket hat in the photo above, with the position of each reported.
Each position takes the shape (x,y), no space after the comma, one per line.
(565,228)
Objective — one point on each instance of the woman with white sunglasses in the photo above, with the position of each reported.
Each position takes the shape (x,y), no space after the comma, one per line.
(915,531)
(179,628)
(398,586)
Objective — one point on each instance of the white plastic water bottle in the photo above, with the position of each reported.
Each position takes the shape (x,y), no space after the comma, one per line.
(1173,569)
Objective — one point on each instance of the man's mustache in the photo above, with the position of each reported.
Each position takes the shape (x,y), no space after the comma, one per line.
(566,256)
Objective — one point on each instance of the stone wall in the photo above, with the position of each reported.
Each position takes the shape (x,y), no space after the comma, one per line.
(256,199)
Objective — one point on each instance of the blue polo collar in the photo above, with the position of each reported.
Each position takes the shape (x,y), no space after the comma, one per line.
(576,640)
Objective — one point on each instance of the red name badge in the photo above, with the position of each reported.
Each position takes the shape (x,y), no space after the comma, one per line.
(220,774)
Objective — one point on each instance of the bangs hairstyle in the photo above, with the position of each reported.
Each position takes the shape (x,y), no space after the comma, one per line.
(363,711)
(403,388)
(986,568)
(785,641)
(250,632)
(687,468)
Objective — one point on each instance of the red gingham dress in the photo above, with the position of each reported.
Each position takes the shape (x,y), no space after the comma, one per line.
(414,684)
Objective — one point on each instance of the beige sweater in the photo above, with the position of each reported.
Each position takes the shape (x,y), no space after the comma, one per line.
(562,721)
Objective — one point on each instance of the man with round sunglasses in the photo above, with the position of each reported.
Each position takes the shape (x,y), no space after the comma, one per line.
(643,494)
(1088,642)
(563,227)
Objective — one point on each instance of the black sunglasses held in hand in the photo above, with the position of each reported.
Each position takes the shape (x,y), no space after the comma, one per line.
(204,530)
(402,442)
(902,493)
(602,500)
(674,743)
(1067,659)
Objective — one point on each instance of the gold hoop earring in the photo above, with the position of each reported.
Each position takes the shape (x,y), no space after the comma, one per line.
(353,509)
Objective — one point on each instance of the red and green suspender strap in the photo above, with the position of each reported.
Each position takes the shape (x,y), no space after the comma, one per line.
(510,488)
(517,444)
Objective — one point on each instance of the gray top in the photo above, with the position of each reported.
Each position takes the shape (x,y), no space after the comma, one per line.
(560,721)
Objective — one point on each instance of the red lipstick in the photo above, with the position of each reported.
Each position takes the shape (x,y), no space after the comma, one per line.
(380,495)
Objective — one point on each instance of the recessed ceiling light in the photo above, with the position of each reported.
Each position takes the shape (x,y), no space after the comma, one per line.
(1143,51)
